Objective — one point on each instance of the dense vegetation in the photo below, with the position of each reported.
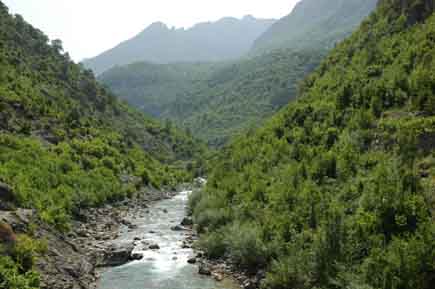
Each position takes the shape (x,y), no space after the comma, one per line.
(227,38)
(337,190)
(216,100)
(68,143)
(155,87)
(314,24)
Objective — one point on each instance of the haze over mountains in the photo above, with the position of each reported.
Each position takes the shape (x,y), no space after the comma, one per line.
(315,23)
(336,190)
(217,101)
(227,38)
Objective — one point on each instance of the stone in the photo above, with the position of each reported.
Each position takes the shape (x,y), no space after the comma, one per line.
(154,247)
(204,270)
(187,222)
(117,256)
(177,228)
(191,260)
(218,276)
(136,256)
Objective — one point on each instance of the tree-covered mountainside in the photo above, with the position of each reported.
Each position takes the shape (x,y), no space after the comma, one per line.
(214,100)
(314,24)
(217,101)
(227,38)
(338,189)
(67,143)
(155,87)
(63,134)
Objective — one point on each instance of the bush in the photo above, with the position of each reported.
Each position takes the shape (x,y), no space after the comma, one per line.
(11,277)
(246,247)
(210,211)
(213,244)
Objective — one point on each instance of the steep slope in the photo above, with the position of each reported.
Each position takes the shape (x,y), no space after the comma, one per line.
(315,23)
(337,190)
(214,100)
(228,38)
(155,87)
(66,143)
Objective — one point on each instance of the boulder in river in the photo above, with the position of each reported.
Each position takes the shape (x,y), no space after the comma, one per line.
(119,255)
(136,256)
(177,228)
(154,247)
(191,260)
(187,222)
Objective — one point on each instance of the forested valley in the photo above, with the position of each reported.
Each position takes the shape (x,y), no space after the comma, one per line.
(317,145)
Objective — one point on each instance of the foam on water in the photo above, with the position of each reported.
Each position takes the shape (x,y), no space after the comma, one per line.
(166,268)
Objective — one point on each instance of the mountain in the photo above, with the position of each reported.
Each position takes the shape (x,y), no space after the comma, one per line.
(315,23)
(215,101)
(66,143)
(337,189)
(227,38)
(155,87)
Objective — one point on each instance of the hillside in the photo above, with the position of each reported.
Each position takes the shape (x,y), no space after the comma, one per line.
(214,100)
(155,87)
(337,189)
(227,38)
(66,143)
(217,101)
(315,24)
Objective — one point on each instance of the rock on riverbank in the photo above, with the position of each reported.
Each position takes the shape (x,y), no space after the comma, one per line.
(72,259)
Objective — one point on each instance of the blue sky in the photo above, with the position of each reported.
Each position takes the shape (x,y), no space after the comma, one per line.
(89,27)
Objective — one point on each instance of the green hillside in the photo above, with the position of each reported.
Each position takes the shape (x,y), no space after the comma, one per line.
(337,189)
(67,143)
(153,88)
(214,100)
(314,24)
(73,134)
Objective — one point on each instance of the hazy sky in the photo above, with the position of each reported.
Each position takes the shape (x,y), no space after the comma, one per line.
(88,27)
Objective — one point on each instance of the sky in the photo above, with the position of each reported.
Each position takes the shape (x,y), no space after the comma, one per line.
(89,27)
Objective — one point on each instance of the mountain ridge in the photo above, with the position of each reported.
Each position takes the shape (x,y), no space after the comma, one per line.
(334,20)
(224,39)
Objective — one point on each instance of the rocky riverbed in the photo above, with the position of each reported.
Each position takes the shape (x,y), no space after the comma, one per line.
(145,242)
(72,260)
(165,260)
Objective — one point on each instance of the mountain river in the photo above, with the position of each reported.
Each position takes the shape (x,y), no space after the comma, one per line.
(166,268)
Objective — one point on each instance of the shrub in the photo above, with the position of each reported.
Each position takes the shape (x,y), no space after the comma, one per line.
(213,244)
(246,247)
(11,277)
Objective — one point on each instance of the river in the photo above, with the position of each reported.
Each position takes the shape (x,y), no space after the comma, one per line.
(166,268)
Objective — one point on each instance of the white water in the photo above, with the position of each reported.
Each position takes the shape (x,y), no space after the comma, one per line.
(166,268)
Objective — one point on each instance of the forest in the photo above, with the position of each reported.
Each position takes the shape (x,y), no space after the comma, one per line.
(320,162)
(68,143)
(337,189)
(215,101)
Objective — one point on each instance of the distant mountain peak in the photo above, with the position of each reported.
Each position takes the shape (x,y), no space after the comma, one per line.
(249,17)
(225,39)
(157,26)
